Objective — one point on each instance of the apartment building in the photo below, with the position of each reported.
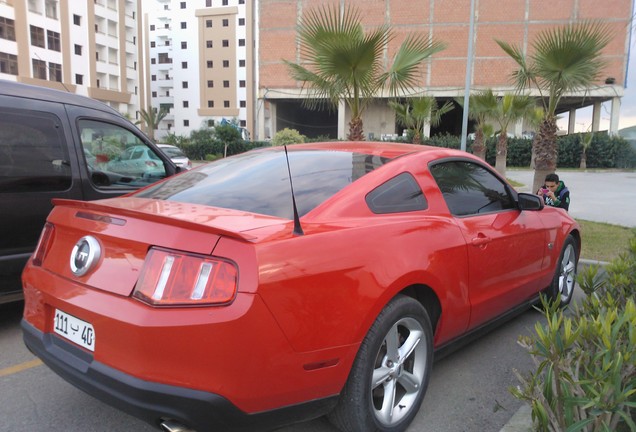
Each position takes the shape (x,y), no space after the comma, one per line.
(200,63)
(444,75)
(85,47)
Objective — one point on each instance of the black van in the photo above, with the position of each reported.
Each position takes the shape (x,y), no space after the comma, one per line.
(61,145)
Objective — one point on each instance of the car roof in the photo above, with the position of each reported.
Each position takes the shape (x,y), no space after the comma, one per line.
(385,149)
(17,89)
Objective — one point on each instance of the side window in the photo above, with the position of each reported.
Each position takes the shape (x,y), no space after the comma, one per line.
(470,189)
(400,194)
(117,157)
(33,154)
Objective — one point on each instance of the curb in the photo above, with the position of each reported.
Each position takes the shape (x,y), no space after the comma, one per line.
(521,421)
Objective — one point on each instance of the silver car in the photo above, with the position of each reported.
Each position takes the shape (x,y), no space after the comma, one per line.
(176,154)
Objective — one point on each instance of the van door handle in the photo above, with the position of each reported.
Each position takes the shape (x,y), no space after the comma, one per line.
(480,240)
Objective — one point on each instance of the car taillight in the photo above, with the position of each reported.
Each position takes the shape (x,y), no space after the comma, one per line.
(171,278)
(43,244)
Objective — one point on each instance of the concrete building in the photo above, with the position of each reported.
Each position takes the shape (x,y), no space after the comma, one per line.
(90,48)
(514,21)
(200,63)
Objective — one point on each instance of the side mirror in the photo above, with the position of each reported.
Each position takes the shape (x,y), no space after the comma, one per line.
(529,201)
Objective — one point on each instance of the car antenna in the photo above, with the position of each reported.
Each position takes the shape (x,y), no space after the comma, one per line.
(298,230)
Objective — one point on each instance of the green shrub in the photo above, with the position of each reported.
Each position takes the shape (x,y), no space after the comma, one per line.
(287,136)
(585,378)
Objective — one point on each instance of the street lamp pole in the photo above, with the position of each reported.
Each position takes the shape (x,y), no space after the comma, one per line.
(469,69)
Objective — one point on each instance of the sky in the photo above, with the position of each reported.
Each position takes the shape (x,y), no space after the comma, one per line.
(628,102)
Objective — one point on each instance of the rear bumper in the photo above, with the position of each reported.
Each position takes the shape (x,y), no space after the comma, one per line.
(153,402)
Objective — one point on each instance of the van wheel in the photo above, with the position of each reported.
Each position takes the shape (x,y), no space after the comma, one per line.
(390,374)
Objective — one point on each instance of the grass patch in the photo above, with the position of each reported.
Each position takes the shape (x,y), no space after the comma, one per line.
(604,242)
(515,184)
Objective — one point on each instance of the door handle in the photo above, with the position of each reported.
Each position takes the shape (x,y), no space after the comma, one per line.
(480,240)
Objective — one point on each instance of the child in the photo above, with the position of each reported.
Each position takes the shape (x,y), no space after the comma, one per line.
(554,192)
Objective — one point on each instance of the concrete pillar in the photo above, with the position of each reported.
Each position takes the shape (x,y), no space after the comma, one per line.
(427,130)
(342,130)
(273,122)
(572,121)
(260,120)
(519,128)
(596,117)
(615,116)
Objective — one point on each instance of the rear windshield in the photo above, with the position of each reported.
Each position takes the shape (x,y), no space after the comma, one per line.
(173,151)
(258,181)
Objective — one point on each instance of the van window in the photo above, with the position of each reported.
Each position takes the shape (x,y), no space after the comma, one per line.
(33,154)
(117,157)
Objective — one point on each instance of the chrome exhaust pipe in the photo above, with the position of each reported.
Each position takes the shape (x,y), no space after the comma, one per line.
(173,426)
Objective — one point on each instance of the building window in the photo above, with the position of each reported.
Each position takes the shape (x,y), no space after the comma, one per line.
(153,78)
(186,122)
(8,63)
(186,104)
(163,58)
(37,36)
(226,104)
(208,44)
(208,3)
(184,25)
(226,23)
(226,63)
(7,28)
(210,104)
(184,45)
(184,65)
(225,2)
(153,61)
(208,23)
(152,27)
(226,84)
(78,49)
(55,72)
(167,43)
(183,5)
(242,83)
(241,1)
(241,42)
(241,21)
(210,64)
(226,43)
(166,7)
(154,94)
(51,9)
(241,63)
(210,123)
(77,20)
(242,123)
(184,84)
(79,79)
(39,69)
(242,104)
(166,26)
(210,83)
(152,44)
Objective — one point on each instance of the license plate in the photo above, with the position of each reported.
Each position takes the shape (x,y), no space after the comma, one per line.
(74,329)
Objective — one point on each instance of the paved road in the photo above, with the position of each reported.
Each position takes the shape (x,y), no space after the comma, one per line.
(468,391)
(599,196)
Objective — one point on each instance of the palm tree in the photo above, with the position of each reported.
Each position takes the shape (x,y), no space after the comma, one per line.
(586,142)
(151,119)
(565,59)
(416,113)
(478,106)
(506,110)
(339,61)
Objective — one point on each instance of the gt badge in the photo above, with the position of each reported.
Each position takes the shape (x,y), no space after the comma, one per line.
(85,255)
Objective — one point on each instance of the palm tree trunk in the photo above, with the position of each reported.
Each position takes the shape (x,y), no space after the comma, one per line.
(502,153)
(479,148)
(356,132)
(417,137)
(545,145)
(583,164)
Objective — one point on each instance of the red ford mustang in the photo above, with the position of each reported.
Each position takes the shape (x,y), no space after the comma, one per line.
(273,286)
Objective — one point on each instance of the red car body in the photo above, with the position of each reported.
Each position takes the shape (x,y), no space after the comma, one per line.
(285,339)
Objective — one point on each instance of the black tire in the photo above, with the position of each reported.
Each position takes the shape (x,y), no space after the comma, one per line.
(403,324)
(564,279)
